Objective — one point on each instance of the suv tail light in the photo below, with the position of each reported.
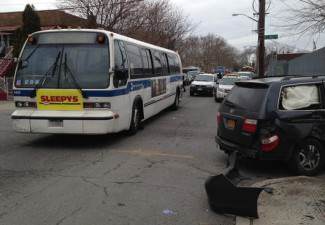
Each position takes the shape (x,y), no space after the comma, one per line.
(249,126)
(270,143)
(219,118)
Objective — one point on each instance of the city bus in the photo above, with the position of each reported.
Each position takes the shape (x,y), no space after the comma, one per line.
(80,81)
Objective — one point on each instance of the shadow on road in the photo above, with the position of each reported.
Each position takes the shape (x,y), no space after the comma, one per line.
(254,169)
(86,142)
(76,142)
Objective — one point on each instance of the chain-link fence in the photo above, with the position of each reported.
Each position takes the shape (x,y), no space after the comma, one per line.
(6,90)
(9,88)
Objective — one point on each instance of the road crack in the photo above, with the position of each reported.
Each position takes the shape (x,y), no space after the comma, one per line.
(104,189)
(119,165)
(68,216)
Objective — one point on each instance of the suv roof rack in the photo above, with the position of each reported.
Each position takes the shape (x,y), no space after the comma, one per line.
(302,76)
(288,77)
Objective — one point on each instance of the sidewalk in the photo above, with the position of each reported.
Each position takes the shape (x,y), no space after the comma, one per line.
(7,105)
(295,200)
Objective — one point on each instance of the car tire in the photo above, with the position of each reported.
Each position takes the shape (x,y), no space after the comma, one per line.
(191,93)
(176,101)
(308,158)
(135,119)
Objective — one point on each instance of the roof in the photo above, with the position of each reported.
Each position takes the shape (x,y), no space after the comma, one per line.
(10,21)
(289,56)
(309,64)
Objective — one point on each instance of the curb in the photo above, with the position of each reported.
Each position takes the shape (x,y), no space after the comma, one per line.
(304,193)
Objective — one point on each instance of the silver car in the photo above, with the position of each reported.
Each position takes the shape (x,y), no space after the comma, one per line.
(225,85)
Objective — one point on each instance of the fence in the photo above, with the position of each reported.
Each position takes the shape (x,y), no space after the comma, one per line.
(9,88)
(6,89)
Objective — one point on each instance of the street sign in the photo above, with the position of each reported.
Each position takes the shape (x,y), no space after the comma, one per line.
(271,36)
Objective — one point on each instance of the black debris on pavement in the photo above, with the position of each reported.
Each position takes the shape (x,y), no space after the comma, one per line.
(225,198)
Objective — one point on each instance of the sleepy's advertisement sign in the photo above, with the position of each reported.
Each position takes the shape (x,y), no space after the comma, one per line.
(59,99)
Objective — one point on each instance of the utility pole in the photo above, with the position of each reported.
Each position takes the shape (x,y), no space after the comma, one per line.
(261,39)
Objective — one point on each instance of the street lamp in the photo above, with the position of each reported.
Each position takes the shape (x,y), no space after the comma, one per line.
(261,36)
(249,17)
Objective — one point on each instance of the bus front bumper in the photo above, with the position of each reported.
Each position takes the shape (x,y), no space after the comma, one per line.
(68,122)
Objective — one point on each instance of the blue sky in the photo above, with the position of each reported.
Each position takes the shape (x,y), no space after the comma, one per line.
(215,16)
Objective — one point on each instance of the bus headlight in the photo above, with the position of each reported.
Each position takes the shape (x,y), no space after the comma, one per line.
(20,104)
(97,105)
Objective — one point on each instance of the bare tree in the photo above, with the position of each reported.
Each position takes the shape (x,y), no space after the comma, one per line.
(208,52)
(114,15)
(306,16)
(245,57)
(155,21)
(162,24)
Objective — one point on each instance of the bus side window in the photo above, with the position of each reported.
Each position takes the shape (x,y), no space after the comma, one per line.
(135,59)
(177,65)
(157,63)
(147,62)
(171,64)
(164,62)
(167,63)
(121,66)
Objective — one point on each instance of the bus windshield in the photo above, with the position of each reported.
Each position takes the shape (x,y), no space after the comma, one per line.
(57,65)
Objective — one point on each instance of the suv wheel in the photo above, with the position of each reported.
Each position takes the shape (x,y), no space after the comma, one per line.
(308,158)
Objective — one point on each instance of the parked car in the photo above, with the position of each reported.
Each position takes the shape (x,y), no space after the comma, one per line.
(203,84)
(251,75)
(225,85)
(192,75)
(276,119)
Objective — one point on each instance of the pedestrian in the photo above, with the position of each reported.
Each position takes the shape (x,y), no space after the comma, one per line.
(184,89)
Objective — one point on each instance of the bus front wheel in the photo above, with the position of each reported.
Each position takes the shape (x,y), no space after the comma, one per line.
(136,119)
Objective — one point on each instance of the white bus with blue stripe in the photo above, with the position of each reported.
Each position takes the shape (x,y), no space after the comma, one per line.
(92,82)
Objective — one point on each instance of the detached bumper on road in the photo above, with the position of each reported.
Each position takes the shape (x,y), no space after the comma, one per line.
(70,122)
(229,147)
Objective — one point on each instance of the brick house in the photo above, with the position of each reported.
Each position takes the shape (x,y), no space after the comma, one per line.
(11,21)
(50,19)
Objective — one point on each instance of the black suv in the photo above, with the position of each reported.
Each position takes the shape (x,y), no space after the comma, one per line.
(279,118)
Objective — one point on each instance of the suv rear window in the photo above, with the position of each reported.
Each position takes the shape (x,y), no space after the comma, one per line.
(250,98)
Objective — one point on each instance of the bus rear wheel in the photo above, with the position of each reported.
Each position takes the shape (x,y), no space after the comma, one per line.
(176,102)
(136,119)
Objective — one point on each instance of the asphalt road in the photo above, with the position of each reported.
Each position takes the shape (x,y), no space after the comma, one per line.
(113,179)
(155,177)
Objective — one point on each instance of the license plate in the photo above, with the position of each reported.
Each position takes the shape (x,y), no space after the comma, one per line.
(199,89)
(55,123)
(231,124)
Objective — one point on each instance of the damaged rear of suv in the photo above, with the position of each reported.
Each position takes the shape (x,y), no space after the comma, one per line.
(279,118)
